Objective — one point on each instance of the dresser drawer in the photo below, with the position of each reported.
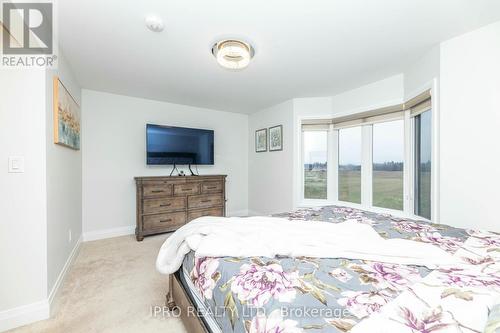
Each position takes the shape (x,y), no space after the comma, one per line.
(205,201)
(164,221)
(157,190)
(165,204)
(153,206)
(211,187)
(187,189)
(205,212)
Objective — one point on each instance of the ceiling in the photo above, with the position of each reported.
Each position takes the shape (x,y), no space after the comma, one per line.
(303,48)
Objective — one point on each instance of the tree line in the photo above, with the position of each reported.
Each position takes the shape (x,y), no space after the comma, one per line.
(386,166)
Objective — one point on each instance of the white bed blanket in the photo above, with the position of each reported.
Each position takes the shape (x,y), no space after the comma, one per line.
(269,236)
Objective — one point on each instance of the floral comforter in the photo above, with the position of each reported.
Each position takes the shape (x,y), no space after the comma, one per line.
(289,295)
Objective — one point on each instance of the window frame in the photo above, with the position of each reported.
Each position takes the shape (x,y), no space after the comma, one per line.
(367,166)
(413,160)
(328,164)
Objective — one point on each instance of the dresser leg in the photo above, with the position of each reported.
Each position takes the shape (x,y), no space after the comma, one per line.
(138,235)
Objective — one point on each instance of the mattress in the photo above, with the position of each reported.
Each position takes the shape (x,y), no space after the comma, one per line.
(283,294)
(197,299)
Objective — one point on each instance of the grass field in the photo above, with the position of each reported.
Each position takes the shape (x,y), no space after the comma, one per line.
(315,184)
(387,188)
(350,186)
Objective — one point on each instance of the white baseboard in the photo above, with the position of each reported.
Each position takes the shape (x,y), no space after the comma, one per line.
(62,275)
(24,315)
(37,311)
(108,233)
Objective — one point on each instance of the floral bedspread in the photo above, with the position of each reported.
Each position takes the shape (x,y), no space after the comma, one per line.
(289,295)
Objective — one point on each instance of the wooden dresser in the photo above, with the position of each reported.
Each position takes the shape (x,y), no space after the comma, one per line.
(165,204)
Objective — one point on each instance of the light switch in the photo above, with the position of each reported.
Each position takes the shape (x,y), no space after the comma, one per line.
(16,164)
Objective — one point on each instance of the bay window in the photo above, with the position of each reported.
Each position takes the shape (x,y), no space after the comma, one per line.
(378,159)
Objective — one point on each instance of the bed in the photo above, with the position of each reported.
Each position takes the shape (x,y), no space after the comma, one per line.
(304,294)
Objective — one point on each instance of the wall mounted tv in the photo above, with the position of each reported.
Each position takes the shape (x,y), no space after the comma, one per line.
(168,145)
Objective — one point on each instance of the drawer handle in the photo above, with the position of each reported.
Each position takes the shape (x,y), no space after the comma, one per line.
(187,189)
(204,201)
(165,205)
(167,220)
(157,191)
(212,187)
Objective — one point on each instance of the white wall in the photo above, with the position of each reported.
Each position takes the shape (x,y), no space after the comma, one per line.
(386,92)
(418,77)
(23,248)
(470,129)
(313,107)
(64,183)
(270,175)
(114,153)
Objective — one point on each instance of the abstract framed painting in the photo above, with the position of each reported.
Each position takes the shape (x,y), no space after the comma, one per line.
(66,117)
(261,140)
(276,138)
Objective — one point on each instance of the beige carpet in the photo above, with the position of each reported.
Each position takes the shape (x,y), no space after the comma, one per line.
(111,287)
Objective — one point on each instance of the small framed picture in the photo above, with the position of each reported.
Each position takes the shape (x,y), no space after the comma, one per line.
(261,140)
(276,138)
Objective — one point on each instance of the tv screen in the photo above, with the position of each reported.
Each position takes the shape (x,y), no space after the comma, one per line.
(179,145)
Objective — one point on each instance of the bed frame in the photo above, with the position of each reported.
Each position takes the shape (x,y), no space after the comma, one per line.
(177,298)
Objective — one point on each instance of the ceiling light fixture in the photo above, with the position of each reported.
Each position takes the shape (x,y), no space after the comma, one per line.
(233,54)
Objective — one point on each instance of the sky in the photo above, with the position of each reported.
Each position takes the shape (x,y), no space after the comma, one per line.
(388,144)
(425,144)
(315,145)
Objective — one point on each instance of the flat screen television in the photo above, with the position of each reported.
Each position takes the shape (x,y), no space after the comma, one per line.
(168,145)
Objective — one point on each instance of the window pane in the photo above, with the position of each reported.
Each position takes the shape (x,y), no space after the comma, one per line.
(315,163)
(423,150)
(350,164)
(388,157)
